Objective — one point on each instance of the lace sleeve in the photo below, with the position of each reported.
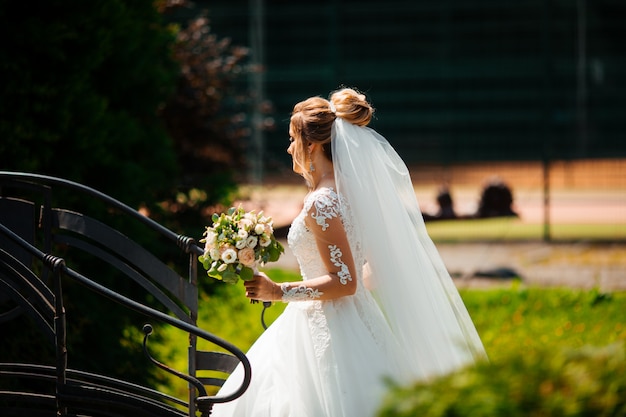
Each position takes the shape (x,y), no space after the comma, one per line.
(324,220)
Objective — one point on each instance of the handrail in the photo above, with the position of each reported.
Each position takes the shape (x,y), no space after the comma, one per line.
(46,372)
(57,263)
(186,243)
(147,331)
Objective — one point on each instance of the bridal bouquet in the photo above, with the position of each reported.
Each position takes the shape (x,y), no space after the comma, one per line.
(237,243)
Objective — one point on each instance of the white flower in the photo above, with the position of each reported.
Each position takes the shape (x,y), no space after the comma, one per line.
(252,241)
(214,253)
(240,244)
(245,224)
(209,241)
(265,241)
(229,256)
(259,229)
(222,267)
(242,233)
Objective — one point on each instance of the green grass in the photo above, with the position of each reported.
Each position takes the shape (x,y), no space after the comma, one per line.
(510,321)
(511,228)
(523,319)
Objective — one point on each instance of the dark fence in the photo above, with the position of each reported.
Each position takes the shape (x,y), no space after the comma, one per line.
(452,81)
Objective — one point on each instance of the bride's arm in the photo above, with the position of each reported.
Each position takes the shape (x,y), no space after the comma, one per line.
(334,249)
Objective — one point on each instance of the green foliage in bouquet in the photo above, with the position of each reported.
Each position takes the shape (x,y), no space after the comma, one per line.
(236,243)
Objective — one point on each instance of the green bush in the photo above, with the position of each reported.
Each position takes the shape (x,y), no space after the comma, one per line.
(542,362)
(520,319)
(558,383)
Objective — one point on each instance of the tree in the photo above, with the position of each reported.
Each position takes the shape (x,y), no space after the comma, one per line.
(94,92)
(84,83)
(207,115)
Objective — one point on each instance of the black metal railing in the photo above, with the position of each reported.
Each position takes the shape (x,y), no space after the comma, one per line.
(38,291)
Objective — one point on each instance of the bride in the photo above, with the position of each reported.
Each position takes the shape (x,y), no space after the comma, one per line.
(375,300)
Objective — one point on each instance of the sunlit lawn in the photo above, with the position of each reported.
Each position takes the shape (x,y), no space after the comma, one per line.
(512,229)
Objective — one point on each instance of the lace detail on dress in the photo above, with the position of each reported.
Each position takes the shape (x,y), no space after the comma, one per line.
(319,329)
(303,245)
(335,258)
(299,293)
(326,207)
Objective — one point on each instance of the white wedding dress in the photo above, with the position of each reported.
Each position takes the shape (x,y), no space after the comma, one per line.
(331,358)
(320,358)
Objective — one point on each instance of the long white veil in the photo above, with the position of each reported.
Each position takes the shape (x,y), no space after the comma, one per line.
(408,277)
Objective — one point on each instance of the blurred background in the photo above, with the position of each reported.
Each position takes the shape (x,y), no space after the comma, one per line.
(525,99)
(510,115)
(530,94)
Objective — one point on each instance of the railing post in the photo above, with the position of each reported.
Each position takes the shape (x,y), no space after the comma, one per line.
(57,265)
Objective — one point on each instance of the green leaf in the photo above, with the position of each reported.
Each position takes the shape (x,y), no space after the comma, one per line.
(247,274)
(274,254)
(214,273)
(230,276)
(205,261)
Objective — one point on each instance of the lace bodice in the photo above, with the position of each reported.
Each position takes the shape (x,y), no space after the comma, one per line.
(326,203)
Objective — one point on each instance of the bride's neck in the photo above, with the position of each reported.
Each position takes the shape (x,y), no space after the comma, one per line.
(322,173)
(318,179)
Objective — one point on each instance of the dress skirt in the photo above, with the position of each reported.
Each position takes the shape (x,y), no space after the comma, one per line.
(319,359)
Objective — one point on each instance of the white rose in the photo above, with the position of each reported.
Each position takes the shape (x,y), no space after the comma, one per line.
(214,253)
(265,241)
(259,229)
(245,224)
(242,233)
(222,268)
(240,244)
(251,241)
(210,237)
(209,241)
(229,256)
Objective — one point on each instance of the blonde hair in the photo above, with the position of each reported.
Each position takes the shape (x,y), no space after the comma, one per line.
(312,120)
(352,106)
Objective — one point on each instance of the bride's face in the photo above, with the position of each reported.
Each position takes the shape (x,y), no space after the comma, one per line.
(294,151)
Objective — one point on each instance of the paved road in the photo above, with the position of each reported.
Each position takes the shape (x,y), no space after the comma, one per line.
(480,265)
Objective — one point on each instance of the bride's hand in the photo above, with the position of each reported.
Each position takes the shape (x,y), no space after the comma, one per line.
(261,288)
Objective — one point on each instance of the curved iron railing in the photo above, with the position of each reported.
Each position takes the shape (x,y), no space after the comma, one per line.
(58,267)
(184,242)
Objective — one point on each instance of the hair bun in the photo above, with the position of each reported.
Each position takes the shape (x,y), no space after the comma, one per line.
(352,106)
